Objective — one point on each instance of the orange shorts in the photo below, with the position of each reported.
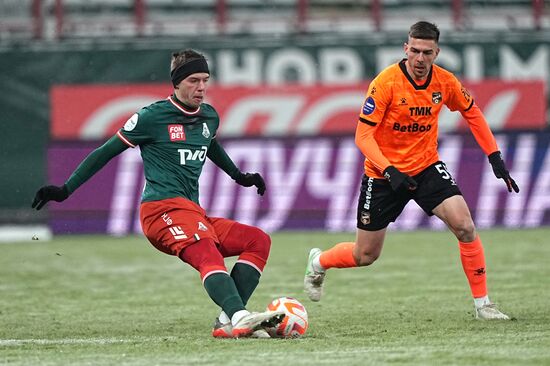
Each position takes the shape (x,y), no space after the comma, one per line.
(173,224)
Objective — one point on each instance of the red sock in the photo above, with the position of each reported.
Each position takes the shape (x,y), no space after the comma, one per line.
(473,262)
(339,256)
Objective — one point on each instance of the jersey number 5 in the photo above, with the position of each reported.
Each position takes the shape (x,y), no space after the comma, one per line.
(442,169)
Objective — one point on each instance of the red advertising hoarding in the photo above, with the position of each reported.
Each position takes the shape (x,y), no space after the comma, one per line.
(96,111)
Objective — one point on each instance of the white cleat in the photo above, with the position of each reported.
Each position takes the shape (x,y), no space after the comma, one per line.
(313,280)
(226,331)
(490,312)
(253,322)
(260,333)
(222,330)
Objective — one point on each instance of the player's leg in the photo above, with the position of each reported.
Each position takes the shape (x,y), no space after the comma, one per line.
(180,228)
(455,213)
(363,252)
(205,258)
(378,206)
(252,246)
(443,198)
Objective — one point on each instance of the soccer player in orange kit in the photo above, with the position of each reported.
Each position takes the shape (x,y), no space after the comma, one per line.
(397,133)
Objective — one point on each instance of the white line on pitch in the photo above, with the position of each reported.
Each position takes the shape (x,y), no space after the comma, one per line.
(20,342)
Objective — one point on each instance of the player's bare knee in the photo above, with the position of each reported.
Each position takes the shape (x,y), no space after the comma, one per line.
(465,230)
(366,259)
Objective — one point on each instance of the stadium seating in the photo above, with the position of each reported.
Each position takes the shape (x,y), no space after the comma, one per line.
(58,19)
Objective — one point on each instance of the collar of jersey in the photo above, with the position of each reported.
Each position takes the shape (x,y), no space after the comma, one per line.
(182,107)
(424,86)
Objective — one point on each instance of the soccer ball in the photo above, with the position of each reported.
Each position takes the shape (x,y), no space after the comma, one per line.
(295,322)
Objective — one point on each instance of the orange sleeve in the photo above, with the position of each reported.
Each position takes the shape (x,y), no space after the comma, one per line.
(480,129)
(364,139)
(460,98)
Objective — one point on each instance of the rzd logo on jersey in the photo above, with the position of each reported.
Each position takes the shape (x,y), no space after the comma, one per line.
(191,155)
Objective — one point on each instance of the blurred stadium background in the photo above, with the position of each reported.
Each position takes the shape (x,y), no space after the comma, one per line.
(288,80)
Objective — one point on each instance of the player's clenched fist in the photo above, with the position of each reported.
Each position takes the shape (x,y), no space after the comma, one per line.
(251,179)
(399,180)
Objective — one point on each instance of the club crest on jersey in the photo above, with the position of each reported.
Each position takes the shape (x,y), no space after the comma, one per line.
(365,218)
(369,106)
(176,132)
(436,97)
(205,131)
(466,94)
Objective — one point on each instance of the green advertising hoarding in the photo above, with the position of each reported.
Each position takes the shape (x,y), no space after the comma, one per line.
(28,73)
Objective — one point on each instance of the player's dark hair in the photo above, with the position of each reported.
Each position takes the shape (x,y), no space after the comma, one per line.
(182,57)
(424,30)
(185,63)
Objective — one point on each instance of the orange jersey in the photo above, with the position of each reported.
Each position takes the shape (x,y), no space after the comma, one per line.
(398,123)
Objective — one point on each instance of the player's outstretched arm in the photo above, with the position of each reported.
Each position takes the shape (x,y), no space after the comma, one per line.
(499,168)
(87,168)
(484,137)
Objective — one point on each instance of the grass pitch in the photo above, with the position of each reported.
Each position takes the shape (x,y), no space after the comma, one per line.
(95,300)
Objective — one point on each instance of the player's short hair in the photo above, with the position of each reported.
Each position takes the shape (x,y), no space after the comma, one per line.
(182,57)
(424,30)
(185,63)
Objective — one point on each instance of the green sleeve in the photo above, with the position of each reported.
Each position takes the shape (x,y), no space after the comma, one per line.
(217,154)
(94,162)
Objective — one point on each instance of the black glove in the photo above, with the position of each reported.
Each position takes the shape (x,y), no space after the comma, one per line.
(251,179)
(49,193)
(499,168)
(399,180)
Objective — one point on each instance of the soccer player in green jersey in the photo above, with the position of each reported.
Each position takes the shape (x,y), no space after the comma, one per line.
(175,137)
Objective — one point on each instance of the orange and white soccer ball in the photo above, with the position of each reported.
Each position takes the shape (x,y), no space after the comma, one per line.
(295,322)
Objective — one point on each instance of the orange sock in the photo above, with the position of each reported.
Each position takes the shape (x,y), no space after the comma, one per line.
(339,256)
(473,262)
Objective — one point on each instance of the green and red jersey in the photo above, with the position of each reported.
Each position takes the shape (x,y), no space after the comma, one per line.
(174,142)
